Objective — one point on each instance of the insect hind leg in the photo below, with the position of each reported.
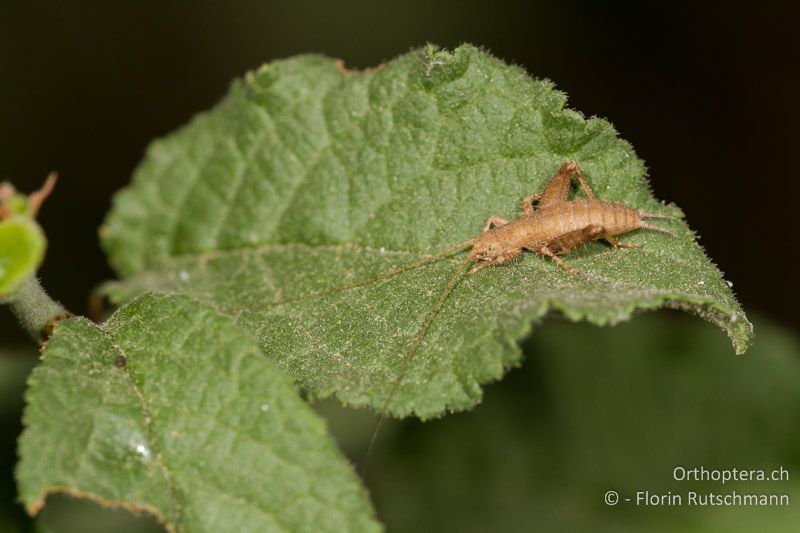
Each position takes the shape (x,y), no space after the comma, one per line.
(573,240)
(557,190)
(582,181)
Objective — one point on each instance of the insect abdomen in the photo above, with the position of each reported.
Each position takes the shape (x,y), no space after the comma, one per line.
(615,219)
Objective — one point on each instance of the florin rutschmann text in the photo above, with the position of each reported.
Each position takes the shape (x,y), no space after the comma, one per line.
(710,498)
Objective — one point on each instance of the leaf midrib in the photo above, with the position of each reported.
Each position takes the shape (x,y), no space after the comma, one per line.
(199,258)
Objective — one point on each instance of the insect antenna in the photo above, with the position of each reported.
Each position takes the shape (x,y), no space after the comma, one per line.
(423,330)
(391,273)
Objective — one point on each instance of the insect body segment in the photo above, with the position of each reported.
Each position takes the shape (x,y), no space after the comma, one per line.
(557,226)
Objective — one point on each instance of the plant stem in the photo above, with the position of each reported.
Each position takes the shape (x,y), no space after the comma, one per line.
(35,310)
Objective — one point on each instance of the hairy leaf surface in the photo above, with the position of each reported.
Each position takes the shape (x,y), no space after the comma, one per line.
(308,177)
(172,409)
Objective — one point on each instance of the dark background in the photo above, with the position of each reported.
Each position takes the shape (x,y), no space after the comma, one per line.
(706,92)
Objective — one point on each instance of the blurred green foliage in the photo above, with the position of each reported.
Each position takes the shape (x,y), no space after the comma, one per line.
(15,364)
(594,409)
(591,409)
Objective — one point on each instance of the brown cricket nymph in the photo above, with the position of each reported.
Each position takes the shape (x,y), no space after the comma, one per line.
(557,226)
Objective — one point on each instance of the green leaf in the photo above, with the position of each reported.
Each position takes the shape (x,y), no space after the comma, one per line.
(595,409)
(22,246)
(196,427)
(308,177)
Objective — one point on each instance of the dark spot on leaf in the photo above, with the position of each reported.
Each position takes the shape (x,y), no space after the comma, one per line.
(120,361)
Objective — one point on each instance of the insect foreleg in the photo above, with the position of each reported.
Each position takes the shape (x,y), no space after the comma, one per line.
(505,257)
